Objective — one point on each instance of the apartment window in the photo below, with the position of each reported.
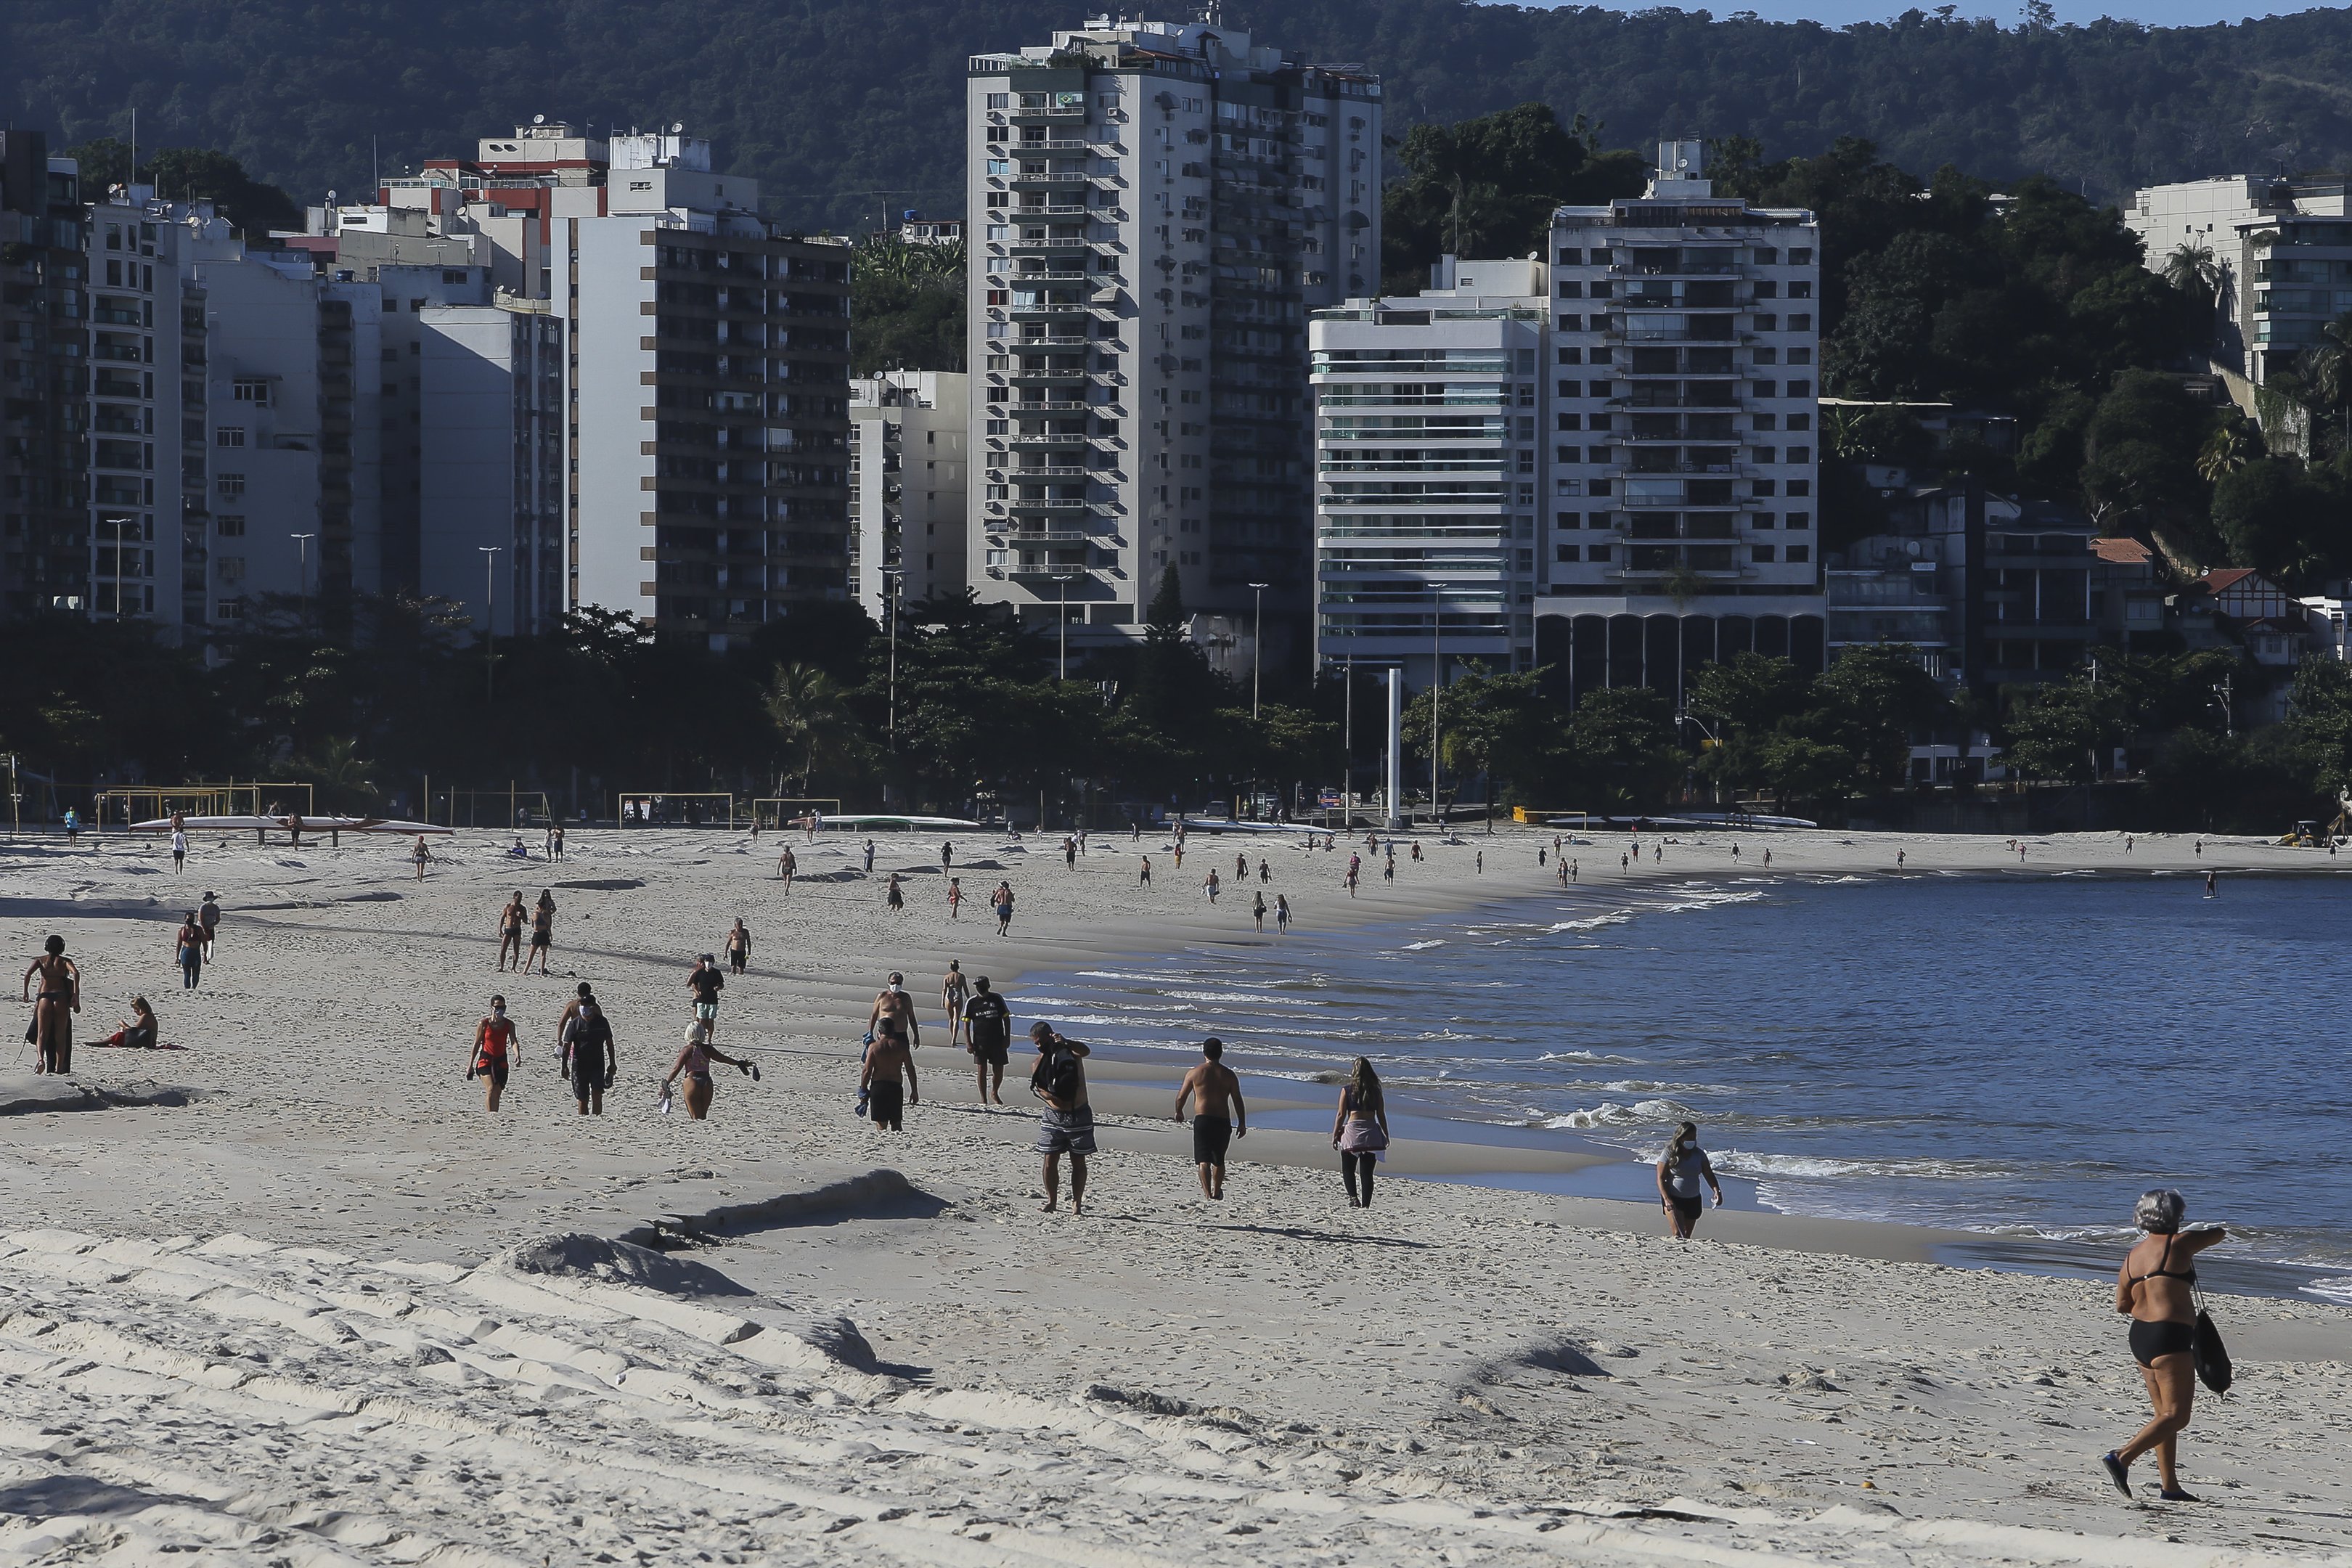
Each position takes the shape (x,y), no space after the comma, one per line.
(229,569)
(1800,453)
(1761,455)
(229,527)
(1765,256)
(1762,520)
(1801,519)
(230,485)
(231,609)
(1800,389)
(1768,323)
(1000,231)
(1763,389)
(1766,289)
(1571,258)
(1802,255)
(253,390)
(1762,554)
(1571,324)
(1564,552)
(1799,555)
(1566,421)
(1569,289)
(999,167)
(1000,100)
(1800,289)
(1801,487)
(1800,324)
(1596,553)
(1568,455)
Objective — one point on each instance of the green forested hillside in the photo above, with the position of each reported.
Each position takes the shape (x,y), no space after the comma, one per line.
(849,109)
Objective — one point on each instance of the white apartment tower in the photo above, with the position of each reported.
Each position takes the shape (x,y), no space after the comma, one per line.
(907,481)
(1429,472)
(1681,524)
(1156,207)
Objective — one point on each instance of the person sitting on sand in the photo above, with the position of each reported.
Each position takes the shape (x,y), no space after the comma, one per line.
(1360,1131)
(53,1009)
(2155,1288)
(1681,1169)
(1067,1124)
(1218,1115)
(694,1060)
(139,1031)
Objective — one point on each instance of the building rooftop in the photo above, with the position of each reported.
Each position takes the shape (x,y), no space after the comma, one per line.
(2123,551)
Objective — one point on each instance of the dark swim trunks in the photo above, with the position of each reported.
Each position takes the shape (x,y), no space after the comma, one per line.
(887,1103)
(1212,1136)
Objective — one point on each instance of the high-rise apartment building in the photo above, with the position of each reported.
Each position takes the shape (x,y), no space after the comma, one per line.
(1429,462)
(149,522)
(488,451)
(1155,208)
(2282,253)
(906,476)
(708,391)
(44,518)
(1681,523)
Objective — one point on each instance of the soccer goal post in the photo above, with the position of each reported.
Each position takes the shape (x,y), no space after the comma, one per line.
(677,808)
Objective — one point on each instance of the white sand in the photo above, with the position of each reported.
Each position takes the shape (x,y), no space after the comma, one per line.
(921,1367)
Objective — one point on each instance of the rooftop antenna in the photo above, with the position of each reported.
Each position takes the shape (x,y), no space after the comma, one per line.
(375,170)
(132,178)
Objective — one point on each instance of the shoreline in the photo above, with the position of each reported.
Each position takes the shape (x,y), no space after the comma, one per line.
(875,1347)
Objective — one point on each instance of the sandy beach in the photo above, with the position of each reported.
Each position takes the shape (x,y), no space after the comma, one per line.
(289,1295)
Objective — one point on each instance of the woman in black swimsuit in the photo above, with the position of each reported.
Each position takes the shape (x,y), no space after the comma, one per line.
(2153,1287)
(53,1008)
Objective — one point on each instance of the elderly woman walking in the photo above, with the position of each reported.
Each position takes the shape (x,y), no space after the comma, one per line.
(2155,1288)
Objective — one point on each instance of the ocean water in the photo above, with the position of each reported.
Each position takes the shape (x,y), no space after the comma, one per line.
(2020,1055)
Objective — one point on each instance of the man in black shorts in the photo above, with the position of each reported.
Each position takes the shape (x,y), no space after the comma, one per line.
(589,1057)
(1218,1115)
(988,1035)
(887,1090)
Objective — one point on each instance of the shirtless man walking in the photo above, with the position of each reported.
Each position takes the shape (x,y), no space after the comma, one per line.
(786,864)
(511,924)
(893,1003)
(1218,1115)
(887,1093)
(1067,1124)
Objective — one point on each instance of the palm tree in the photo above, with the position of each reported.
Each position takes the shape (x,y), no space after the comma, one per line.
(2227,450)
(2193,270)
(805,706)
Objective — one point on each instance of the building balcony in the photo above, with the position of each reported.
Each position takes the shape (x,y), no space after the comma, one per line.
(1025,149)
(1046,182)
(1053,247)
(1056,505)
(1042,374)
(1042,440)
(1041,476)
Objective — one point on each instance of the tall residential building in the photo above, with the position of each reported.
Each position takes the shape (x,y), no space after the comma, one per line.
(149,518)
(1429,471)
(44,518)
(1681,525)
(489,450)
(907,481)
(1157,206)
(708,390)
(2282,249)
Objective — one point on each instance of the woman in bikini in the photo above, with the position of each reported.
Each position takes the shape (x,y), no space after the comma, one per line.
(191,948)
(2155,1288)
(1360,1131)
(53,1009)
(694,1060)
(137,1032)
(542,931)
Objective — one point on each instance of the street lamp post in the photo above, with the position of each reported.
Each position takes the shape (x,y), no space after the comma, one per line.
(118,524)
(1062,621)
(1257,642)
(302,571)
(489,621)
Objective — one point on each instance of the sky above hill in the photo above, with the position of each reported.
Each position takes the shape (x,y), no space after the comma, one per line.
(2155,13)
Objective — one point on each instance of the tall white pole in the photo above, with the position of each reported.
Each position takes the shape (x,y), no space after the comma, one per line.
(1394,806)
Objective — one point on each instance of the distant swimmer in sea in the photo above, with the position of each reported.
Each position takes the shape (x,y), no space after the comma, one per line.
(1681,1169)
(53,1009)
(1360,1131)
(1218,1115)
(2155,1288)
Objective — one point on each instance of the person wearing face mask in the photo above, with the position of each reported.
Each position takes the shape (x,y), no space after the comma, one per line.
(893,1003)
(1681,1169)
(497,1050)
